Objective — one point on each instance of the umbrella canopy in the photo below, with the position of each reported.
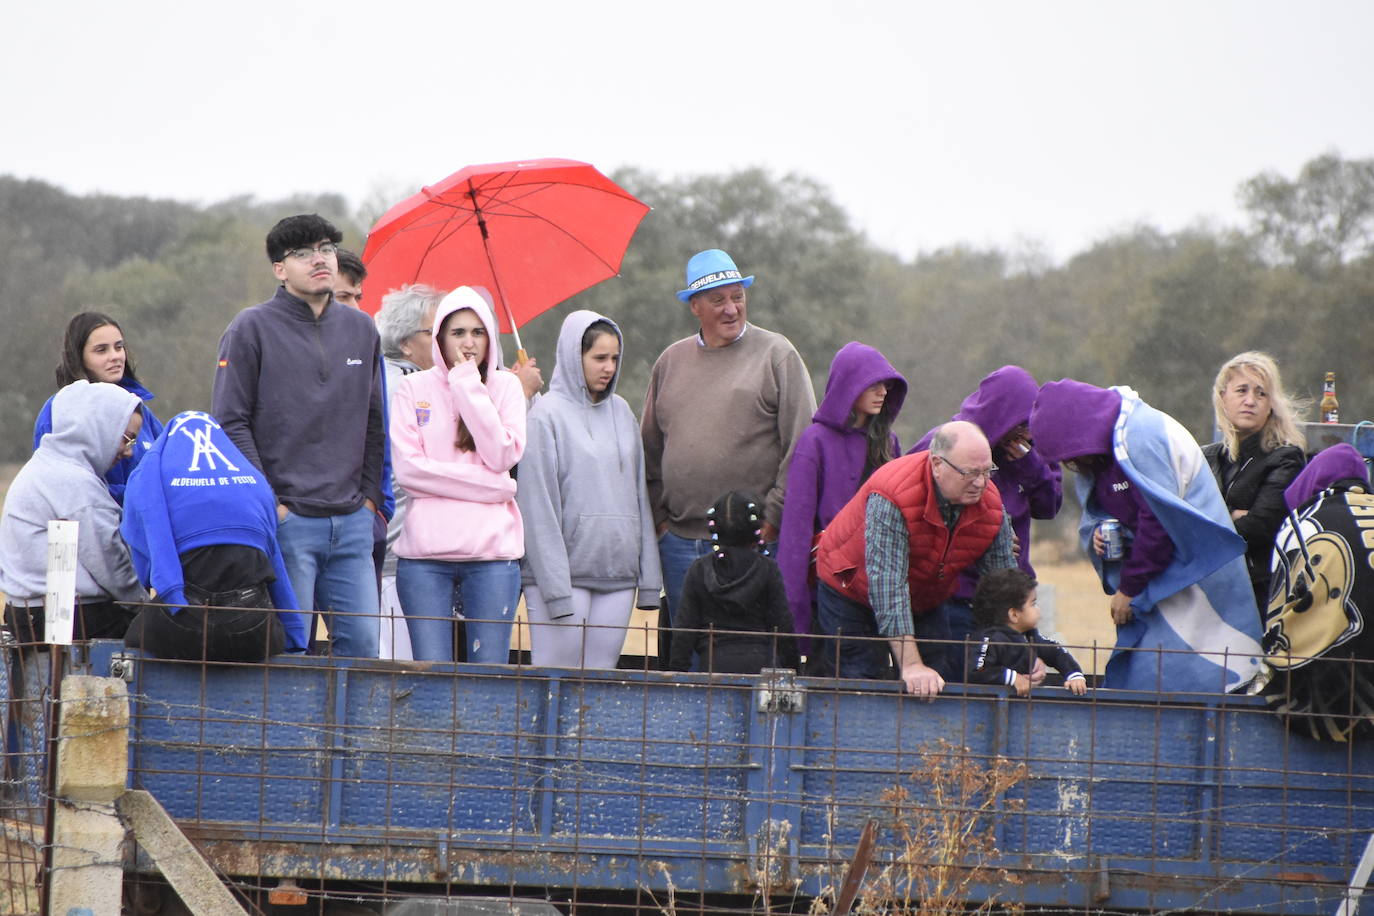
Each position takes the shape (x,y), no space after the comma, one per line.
(533,233)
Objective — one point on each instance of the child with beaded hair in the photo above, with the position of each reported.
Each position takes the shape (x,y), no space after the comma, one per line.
(733,614)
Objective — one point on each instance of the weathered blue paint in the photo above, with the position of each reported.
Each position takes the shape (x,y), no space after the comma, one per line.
(501,775)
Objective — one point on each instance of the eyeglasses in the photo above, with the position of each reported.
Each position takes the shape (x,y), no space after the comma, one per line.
(329,250)
(129,440)
(986,472)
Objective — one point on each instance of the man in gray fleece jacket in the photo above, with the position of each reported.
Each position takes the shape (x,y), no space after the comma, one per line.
(298,389)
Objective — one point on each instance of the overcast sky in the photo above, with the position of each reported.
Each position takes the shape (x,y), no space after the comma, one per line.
(1010,124)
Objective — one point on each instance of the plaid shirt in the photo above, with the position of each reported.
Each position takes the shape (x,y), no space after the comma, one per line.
(887,559)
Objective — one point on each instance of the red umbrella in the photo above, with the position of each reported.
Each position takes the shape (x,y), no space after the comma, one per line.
(533,233)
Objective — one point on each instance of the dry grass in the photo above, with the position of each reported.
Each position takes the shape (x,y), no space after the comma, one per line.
(19,844)
(1082,620)
(942,821)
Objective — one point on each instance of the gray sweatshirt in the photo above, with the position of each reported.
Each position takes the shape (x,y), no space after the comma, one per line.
(581,488)
(302,399)
(65,480)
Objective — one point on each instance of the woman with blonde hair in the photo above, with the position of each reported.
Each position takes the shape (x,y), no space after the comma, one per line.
(1260,452)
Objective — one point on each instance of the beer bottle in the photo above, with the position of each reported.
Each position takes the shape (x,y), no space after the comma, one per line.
(1330,407)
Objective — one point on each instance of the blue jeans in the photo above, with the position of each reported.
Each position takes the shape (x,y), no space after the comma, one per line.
(329,561)
(864,654)
(677,554)
(490,592)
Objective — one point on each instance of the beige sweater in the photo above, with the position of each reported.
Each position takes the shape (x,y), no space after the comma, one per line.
(722,418)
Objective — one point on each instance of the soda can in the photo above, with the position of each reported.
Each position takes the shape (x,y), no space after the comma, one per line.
(1113,547)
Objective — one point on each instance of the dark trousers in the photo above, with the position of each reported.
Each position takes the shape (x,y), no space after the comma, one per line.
(958,613)
(857,649)
(94,620)
(24,726)
(232,626)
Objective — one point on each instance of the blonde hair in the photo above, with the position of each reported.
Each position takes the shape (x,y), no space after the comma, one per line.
(1281,428)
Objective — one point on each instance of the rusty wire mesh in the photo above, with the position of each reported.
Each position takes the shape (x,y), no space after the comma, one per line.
(353,785)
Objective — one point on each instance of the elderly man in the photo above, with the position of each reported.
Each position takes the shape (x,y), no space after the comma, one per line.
(894,553)
(1030,486)
(723,410)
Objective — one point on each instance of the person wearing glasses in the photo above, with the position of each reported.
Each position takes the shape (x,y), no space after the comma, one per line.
(1030,486)
(298,389)
(95,425)
(93,349)
(1181,597)
(894,553)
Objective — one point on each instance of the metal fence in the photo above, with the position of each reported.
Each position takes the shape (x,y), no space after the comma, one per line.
(332,786)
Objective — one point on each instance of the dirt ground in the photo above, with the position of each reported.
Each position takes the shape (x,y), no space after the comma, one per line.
(1081,620)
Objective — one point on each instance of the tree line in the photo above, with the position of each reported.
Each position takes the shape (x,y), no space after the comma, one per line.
(1156,310)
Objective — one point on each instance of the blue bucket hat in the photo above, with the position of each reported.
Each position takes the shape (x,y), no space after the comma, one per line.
(709,269)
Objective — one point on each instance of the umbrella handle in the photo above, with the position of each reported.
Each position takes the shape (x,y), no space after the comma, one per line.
(521,357)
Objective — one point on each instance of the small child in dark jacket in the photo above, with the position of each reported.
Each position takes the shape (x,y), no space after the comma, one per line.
(733,588)
(1007,609)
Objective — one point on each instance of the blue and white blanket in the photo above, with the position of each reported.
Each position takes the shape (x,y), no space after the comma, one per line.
(1195,625)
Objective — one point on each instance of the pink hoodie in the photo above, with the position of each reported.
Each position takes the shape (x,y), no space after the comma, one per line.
(462,503)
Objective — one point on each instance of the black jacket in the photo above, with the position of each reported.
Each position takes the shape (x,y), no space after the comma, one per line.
(1001,653)
(743,591)
(1255,482)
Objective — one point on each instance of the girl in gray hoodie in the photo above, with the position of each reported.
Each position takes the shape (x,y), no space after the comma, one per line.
(589,530)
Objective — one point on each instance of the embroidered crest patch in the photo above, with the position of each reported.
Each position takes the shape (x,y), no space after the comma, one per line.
(421,413)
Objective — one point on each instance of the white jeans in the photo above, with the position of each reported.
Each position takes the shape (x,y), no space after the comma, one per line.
(395,638)
(591,637)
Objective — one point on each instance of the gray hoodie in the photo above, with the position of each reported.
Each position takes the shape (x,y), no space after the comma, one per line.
(588,523)
(65,480)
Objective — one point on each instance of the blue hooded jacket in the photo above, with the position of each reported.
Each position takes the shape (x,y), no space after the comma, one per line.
(194,488)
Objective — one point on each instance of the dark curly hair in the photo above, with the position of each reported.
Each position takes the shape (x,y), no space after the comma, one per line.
(299,232)
(998,592)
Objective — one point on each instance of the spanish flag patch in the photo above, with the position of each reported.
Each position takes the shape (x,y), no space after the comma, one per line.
(223,363)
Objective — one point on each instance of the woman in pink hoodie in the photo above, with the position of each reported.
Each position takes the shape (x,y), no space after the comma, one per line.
(457,429)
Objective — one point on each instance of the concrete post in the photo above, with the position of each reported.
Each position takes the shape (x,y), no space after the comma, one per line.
(92,767)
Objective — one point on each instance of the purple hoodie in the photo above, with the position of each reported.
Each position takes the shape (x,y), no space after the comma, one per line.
(1339,462)
(1030,487)
(1075,420)
(827,466)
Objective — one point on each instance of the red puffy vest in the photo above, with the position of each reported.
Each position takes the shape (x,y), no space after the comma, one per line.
(937,554)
